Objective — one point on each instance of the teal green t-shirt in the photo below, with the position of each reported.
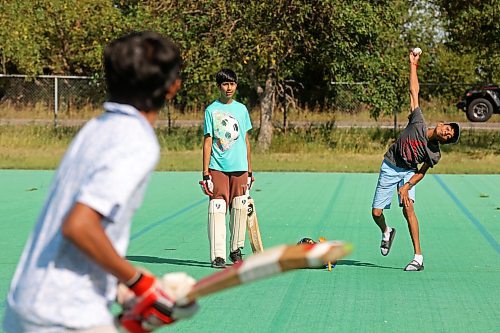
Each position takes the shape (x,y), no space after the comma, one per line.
(227,124)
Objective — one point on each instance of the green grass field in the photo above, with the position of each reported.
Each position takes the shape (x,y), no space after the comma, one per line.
(320,149)
(457,292)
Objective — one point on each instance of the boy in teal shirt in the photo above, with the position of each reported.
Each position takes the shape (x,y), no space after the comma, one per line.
(227,170)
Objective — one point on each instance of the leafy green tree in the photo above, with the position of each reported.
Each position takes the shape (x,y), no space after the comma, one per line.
(266,44)
(360,41)
(273,42)
(199,28)
(313,42)
(57,36)
(445,69)
(473,29)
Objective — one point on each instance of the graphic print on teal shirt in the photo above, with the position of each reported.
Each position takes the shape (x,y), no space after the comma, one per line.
(226,130)
(227,124)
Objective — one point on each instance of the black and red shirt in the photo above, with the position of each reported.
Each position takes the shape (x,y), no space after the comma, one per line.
(413,147)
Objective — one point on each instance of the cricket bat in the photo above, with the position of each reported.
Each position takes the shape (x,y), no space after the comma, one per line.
(268,263)
(259,266)
(253,227)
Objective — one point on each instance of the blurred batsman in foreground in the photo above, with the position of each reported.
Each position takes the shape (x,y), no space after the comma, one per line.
(67,277)
(416,145)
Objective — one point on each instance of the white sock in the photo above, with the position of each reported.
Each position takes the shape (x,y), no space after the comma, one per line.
(387,234)
(419,258)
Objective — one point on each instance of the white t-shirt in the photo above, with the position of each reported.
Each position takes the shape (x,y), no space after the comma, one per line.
(107,166)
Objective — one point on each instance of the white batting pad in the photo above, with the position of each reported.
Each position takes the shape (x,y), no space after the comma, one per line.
(238,222)
(217,228)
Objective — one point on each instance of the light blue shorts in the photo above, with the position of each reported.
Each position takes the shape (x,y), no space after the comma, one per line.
(390,179)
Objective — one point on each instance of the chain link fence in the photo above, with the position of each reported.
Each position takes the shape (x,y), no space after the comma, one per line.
(20,95)
(64,97)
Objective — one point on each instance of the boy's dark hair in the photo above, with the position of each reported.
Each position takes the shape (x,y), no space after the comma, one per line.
(456,133)
(225,75)
(139,69)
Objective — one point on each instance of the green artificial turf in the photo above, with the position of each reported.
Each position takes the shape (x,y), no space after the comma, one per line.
(460,230)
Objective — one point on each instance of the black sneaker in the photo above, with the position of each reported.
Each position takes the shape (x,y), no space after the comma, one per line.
(235,256)
(385,246)
(219,263)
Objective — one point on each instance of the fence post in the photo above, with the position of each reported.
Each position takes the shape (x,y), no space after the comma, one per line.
(395,130)
(285,120)
(169,116)
(56,100)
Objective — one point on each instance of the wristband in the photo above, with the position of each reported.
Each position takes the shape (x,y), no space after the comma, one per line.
(133,280)
(141,284)
(206,177)
(250,174)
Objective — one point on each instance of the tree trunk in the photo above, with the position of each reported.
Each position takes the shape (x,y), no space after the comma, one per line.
(266,113)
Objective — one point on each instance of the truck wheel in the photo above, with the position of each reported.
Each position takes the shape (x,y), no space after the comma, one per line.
(479,110)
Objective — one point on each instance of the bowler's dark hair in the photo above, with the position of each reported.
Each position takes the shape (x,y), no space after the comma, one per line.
(225,75)
(139,69)
(456,133)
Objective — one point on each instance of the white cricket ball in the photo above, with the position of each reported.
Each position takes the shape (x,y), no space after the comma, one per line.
(417,51)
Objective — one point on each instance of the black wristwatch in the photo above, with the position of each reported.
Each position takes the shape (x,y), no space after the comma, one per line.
(410,184)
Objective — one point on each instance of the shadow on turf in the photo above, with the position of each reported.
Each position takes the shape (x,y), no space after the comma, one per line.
(182,262)
(157,260)
(362,264)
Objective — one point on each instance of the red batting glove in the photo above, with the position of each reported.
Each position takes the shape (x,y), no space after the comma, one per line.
(152,307)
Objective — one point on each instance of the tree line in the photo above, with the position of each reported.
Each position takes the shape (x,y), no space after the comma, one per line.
(282,50)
